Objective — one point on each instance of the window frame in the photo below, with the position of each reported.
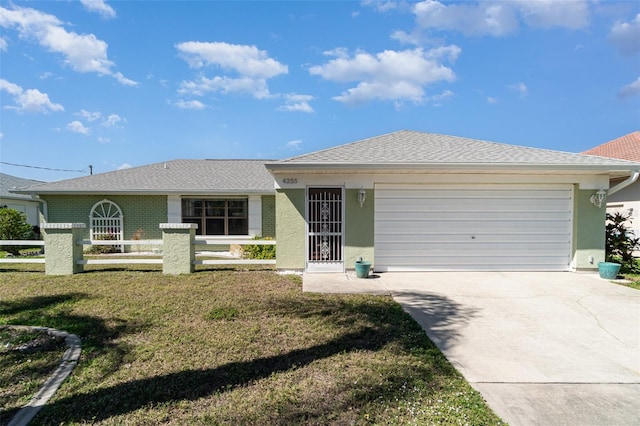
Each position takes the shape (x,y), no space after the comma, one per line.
(202,219)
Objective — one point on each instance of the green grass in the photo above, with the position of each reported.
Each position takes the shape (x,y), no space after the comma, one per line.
(26,361)
(634,281)
(234,347)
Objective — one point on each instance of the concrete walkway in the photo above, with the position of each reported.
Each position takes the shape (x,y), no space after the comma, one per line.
(542,348)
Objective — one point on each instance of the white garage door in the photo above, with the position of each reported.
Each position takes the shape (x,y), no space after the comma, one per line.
(472,227)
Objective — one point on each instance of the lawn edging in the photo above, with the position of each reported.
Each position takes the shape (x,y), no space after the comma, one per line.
(69,361)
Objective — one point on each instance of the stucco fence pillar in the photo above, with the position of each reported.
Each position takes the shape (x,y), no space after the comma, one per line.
(179,252)
(63,248)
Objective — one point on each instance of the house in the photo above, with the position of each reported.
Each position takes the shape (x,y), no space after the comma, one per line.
(26,204)
(411,201)
(406,201)
(627,199)
(224,197)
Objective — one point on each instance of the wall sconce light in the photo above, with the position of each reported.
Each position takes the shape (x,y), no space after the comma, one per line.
(597,198)
(362,195)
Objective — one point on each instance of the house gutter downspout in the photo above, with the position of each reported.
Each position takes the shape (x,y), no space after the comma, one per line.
(632,179)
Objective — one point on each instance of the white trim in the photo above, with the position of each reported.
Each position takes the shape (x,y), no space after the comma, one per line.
(255,215)
(174,209)
(303,180)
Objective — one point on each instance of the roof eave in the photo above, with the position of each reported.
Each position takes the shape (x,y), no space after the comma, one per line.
(284,167)
(154,192)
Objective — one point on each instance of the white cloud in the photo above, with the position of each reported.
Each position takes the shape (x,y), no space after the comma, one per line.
(498,18)
(626,36)
(190,105)
(89,116)
(1,135)
(3,44)
(10,88)
(492,100)
(77,127)
(246,69)
(631,89)
(389,75)
(438,99)
(124,166)
(82,52)
(256,87)
(572,14)
(469,18)
(243,59)
(30,100)
(100,7)
(113,120)
(520,88)
(299,103)
(294,145)
(103,139)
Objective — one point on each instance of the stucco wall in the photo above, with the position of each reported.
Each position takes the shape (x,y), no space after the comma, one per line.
(588,232)
(290,229)
(359,227)
(144,212)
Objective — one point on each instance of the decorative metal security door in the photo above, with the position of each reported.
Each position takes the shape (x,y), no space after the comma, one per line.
(324,231)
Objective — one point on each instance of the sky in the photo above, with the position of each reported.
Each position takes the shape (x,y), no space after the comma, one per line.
(118,84)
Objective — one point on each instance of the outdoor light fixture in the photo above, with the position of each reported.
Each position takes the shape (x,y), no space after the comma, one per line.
(598,198)
(362,195)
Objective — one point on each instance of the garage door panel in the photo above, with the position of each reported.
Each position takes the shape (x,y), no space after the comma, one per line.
(448,237)
(485,215)
(472,227)
(479,227)
(456,192)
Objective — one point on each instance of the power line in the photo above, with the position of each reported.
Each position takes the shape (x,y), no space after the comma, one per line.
(48,168)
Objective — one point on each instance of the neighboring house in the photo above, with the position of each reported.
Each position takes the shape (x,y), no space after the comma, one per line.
(26,204)
(410,201)
(627,199)
(224,197)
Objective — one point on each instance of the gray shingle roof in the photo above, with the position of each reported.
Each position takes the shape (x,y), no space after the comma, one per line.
(416,148)
(8,183)
(176,176)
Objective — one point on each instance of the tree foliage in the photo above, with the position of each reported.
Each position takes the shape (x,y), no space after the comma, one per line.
(621,241)
(14,226)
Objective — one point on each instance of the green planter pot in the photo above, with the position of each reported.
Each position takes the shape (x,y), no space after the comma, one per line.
(362,269)
(608,270)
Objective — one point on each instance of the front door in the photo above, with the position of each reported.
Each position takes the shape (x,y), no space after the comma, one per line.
(324,230)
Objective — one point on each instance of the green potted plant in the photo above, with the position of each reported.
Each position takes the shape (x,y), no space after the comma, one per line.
(620,244)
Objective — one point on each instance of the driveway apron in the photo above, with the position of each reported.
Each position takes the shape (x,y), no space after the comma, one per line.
(542,348)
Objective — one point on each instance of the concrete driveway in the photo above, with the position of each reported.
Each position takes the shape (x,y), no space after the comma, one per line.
(542,348)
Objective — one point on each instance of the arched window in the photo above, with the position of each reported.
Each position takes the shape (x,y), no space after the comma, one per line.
(106,222)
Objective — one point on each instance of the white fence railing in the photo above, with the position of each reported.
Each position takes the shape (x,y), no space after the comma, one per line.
(29,243)
(137,258)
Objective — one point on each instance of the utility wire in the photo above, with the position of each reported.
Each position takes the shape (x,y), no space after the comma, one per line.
(46,168)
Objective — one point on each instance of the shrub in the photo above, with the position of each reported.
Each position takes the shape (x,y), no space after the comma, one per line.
(259,251)
(621,242)
(14,226)
(98,249)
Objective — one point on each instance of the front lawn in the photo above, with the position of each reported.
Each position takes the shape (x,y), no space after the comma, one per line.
(233,347)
